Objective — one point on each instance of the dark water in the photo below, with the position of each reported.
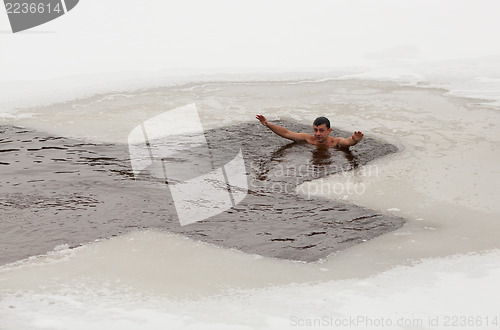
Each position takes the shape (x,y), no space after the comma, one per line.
(56,190)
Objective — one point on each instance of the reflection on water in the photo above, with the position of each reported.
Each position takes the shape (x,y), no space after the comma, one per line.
(322,156)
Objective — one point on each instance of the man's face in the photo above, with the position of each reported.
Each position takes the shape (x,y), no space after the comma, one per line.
(321,132)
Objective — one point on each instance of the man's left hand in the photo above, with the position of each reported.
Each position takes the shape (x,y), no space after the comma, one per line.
(357,136)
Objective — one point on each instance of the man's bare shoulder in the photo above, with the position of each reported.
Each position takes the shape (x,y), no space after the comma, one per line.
(301,137)
(305,137)
(334,141)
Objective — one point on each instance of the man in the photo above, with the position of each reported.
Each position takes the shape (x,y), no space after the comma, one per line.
(321,137)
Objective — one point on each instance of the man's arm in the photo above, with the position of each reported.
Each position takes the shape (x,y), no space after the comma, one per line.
(283,132)
(353,140)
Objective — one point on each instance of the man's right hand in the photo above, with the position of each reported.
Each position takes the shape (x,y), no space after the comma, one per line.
(262,119)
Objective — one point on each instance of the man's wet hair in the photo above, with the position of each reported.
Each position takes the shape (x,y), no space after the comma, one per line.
(322,120)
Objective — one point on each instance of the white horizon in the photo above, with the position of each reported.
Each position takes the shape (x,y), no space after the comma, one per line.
(117,36)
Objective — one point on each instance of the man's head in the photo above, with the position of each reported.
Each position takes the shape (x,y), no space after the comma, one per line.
(322,130)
